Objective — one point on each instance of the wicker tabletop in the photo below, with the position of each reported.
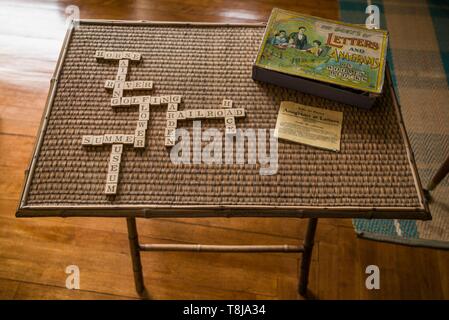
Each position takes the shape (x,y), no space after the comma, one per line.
(372,176)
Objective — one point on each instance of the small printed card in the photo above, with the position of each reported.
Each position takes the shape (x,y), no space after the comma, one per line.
(309,125)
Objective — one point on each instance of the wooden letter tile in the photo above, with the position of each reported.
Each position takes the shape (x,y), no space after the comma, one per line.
(119,84)
(169,141)
(181,115)
(155,101)
(142,125)
(135,56)
(170,132)
(117,148)
(165,99)
(120,77)
(229,121)
(139,142)
(99,54)
(118,55)
(123,63)
(109,84)
(87,140)
(140,133)
(97,140)
(112,178)
(146,99)
(136,100)
(138,85)
(238,112)
(220,113)
(172,106)
(144,107)
(115,102)
(211,113)
(115,158)
(144,116)
(147,85)
(126,101)
(200,114)
(108,138)
(117,93)
(129,139)
(228,113)
(129,85)
(122,70)
(108,55)
(227,103)
(127,55)
(111,188)
(171,115)
(230,130)
(175,98)
(186,114)
(114,167)
(119,138)
(172,123)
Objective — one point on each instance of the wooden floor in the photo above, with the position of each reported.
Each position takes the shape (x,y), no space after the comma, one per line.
(35,252)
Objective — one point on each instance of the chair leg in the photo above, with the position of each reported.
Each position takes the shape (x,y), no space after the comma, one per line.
(441,173)
(135,255)
(307,256)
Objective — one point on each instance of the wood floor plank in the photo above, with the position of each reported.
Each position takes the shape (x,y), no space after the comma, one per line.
(283,227)
(328,271)
(22,146)
(19,128)
(443,264)
(11,181)
(224,271)
(32,291)
(8,289)
(57,232)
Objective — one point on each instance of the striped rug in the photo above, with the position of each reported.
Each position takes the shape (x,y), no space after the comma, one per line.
(419,61)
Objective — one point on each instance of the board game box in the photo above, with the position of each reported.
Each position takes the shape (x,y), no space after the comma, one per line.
(332,59)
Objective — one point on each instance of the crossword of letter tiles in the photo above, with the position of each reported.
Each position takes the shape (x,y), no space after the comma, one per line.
(118,86)
(137,139)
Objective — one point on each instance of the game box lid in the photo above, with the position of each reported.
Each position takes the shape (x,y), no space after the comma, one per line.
(332,55)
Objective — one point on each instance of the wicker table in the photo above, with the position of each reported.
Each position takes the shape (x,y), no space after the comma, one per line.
(373,176)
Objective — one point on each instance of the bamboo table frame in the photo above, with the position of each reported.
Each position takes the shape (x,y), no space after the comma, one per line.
(131,212)
(306,250)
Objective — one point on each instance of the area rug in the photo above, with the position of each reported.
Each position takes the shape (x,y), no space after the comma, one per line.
(419,61)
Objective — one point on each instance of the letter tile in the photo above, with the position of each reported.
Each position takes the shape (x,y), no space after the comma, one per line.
(111,188)
(87,140)
(227,103)
(117,148)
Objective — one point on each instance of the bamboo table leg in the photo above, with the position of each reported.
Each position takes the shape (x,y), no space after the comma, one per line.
(135,255)
(307,256)
(136,248)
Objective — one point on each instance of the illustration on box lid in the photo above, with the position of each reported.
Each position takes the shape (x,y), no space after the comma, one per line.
(325,50)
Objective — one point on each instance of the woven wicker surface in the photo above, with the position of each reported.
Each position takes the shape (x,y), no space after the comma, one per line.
(206,64)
